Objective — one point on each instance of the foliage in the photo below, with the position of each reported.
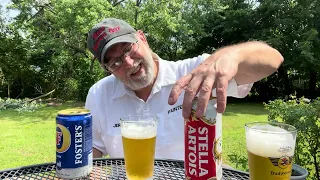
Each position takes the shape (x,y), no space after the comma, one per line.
(305,116)
(292,27)
(53,38)
(45,45)
(238,158)
(20,105)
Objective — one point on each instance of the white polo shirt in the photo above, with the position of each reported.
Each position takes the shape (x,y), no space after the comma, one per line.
(109,99)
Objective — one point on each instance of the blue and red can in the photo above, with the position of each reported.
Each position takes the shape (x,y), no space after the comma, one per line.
(73,143)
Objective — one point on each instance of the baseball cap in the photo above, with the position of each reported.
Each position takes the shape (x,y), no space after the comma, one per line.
(107,33)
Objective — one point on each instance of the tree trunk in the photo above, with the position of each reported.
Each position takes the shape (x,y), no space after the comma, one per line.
(43,95)
(312,84)
(22,86)
(138,2)
(283,74)
(316,165)
(8,90)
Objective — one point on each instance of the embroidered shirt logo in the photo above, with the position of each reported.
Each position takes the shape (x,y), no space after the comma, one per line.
(175,109)
(116,125)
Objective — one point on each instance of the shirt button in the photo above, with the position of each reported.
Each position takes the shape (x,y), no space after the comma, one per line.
(139,111)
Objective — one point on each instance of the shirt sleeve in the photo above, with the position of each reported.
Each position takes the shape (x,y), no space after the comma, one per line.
(97,141)
(236,91)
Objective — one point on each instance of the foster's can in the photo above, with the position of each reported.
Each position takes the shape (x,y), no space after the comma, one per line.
(203,144)
(73,143)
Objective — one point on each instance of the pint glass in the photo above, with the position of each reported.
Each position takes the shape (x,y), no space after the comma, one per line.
(139,140)
(270,149)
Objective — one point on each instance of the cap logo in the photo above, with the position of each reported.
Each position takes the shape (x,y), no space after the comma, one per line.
(98,32)
(113,30)
(98,36)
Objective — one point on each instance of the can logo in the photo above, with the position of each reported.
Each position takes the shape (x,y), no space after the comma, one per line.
(203,145)
(63,138)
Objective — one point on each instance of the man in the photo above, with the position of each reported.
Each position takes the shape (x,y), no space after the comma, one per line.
(142,83)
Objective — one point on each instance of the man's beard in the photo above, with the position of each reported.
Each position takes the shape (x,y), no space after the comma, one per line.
(145,79)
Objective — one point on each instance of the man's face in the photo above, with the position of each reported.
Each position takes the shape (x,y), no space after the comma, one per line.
(138,68)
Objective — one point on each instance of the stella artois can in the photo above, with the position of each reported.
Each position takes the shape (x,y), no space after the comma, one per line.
(203,144)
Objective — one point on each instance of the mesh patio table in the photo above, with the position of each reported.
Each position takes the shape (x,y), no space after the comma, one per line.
(112,168)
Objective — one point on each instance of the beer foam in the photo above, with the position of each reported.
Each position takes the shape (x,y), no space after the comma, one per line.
(134,131)
(266,144)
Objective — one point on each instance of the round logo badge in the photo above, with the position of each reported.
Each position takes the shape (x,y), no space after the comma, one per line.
(284,162)
(63,138)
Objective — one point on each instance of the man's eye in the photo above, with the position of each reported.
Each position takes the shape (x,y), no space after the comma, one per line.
(117,63)
(128,49)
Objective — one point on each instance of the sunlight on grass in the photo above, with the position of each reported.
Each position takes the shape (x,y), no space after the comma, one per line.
(29,138)
(233,132)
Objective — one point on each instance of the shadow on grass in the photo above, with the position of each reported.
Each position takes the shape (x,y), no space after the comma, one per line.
(46,113)
(234,109)
(239,158)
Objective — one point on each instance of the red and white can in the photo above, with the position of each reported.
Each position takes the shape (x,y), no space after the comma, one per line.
(203,144)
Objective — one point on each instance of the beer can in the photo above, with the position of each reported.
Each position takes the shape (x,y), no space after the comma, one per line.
(203,144)
(73,143)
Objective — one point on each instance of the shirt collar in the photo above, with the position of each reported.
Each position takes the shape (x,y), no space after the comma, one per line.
(120,90)
(166,76)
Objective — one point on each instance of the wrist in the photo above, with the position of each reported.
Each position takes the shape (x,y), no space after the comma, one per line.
(233,53)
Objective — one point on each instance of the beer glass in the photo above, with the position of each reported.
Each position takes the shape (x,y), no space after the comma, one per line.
(270,149)
(139,140)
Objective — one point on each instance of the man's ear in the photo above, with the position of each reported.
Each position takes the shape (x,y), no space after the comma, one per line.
(142,37)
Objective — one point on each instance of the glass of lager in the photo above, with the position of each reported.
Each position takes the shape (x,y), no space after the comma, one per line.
(270,149)
(139,141)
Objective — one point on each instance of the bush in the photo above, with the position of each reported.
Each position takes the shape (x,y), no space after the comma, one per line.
(20,105)
(305,116)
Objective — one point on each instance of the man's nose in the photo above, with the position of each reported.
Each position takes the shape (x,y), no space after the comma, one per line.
(127,62)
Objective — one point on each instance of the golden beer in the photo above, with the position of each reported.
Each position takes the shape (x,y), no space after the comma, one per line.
(139,157)
(270,149)
(265,168)
(139,140)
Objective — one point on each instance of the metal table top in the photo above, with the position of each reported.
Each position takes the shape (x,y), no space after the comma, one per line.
(111,168)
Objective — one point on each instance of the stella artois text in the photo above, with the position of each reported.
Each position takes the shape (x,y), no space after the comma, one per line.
(203,144)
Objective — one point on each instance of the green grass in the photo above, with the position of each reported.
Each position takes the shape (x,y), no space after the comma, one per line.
(29,138)
(233,132)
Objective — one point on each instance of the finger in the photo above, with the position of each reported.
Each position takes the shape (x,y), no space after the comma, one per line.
(222,86)
(178,87)
(204,96)
(190,92)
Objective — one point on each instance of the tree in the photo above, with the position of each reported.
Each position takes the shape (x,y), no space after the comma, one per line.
(289,26)
(57,33)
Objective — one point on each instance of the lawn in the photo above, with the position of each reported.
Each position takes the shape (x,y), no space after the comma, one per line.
(233,132)
(29,138)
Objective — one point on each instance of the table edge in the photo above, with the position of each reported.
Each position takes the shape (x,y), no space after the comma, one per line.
(104,158)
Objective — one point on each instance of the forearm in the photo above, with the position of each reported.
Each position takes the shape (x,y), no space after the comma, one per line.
(256,60)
